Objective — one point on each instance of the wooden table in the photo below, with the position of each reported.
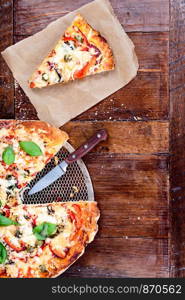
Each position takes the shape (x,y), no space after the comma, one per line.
(138,174)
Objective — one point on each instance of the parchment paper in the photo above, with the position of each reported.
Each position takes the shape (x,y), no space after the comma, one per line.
(60,103)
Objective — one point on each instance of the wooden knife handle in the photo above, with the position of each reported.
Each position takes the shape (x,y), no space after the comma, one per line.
(100,135)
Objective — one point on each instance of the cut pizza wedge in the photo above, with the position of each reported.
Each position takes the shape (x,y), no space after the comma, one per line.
(25,148)
(45,239)
(80,52)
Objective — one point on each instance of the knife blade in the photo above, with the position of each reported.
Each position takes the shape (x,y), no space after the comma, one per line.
(61,168)
(49,178)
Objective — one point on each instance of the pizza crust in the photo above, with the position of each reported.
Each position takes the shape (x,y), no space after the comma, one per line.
(91,216)
(55,136)
(94,37)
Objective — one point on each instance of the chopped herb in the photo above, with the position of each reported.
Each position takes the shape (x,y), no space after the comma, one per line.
(30,249)
(60,228)
(67,57)
(1,203)
(38,243)
(26,217)
(79,38)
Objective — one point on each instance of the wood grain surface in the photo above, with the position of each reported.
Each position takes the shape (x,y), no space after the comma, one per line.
(177,134)
(125,211)
(136,15)
(140,230)
(148,256)
(124,137)
(6,78)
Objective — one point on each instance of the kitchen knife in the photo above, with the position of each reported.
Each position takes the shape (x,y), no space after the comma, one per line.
(61,168)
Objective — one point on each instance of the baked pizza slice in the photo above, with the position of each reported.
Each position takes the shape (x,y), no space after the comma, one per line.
(44,240)
(25,148)
(80,52)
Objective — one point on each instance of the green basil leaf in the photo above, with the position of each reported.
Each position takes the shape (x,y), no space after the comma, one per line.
(44,230)
(52,228)
(30,148)
(8,155)
(39,236)
(4,221)
(37,230)
(3,253)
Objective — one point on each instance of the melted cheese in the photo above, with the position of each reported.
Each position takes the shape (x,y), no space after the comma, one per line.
(58,63)
(26,166)
(24,260)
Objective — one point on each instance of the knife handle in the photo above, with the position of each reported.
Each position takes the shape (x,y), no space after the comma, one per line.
(100,135)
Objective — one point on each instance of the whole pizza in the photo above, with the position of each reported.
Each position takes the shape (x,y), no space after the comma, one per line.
(37,240)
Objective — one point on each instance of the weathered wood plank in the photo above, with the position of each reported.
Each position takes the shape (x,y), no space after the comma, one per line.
(177,118)
(132,190)
(6,79)
(24,110)
(146,97)
(131,257)
(132,193)
(146,15)
(124,137)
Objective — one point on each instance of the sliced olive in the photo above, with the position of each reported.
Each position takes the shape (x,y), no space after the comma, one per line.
(70,44)
(18,234)
(42,268)
(45,77)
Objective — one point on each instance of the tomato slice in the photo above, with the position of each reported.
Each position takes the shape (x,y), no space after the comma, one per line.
(17,248)
(7,211)
(68,38)
(81,73)
(77,208)
(32,85)
(34,221)
(84,49)
(76,219)
(20,274)
(29,274)
(60,252)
